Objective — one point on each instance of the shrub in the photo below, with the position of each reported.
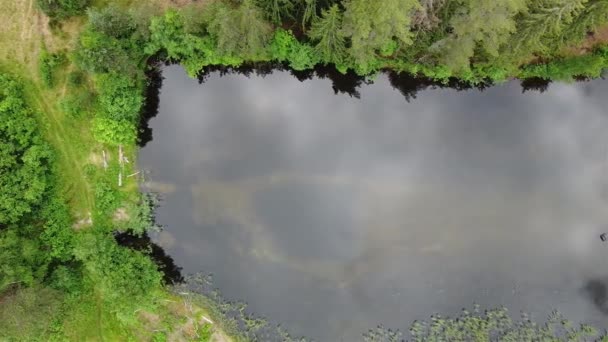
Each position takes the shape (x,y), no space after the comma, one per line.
(48,64)
(61,9)
(76,78)
(122,276)
(76,104)
(284,47)
(567,68)
(114,132)
(112,22)
(120,97)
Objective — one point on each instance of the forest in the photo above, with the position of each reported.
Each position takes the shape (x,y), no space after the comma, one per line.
(80,90)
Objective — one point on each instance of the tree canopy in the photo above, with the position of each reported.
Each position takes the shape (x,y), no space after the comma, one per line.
(330,39)
(372,25)
(24,156)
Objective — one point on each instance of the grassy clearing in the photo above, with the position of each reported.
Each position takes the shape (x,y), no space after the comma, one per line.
(20,44)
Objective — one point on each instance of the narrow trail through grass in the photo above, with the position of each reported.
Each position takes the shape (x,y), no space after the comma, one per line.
(24,31)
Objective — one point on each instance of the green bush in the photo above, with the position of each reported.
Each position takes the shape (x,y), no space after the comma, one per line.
(77,103)
(48,64)
(24,156)
(76,78)
(114,132)
(121,275)
(67,279)
(112,21)
(98,53)
(168,36)
(62,9)
(23,259)
(107,198)
(567,68)
(284,47)
(142,215)
(120,97)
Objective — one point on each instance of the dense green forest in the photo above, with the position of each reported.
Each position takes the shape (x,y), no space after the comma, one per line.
(76,93)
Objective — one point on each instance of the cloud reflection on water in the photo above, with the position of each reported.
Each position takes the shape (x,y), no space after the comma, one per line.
(334,214)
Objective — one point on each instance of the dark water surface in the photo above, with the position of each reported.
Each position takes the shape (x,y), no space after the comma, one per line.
(332,214)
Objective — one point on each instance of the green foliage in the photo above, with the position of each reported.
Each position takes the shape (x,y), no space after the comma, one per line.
(142,215)
(28,248)
(205,333)
(112,22)
(277,10)
(24,156)
(120,97)
(47,65)
(111,42)
(240,31)
(57,234)
(77,103)
(119,104)
(593,16)
(114,132)
(567,68)
(381,334)
(496,325)
(62,9)
(327,31)
(472,30)
(98,53)
(67,279)
(543,27)
(23,259)
(370,25)
(76,78)
(286,48)
(310,12)
(170,37)
(122,276)
(107,198)
(27,314)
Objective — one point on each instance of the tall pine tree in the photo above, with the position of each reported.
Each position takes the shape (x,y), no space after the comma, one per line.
(239,31)
(542,29)
(478,24)
(372,25)
(327,31)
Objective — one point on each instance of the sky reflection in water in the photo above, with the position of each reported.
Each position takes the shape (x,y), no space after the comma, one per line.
(332,214)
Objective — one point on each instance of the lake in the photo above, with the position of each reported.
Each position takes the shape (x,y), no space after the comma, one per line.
(331,214)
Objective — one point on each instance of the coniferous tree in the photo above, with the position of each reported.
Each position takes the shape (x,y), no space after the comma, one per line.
(277,10)
(239,31)
(327,31)
(543,27)
(472,30)
(372,25)
(310,12)
(593,16)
